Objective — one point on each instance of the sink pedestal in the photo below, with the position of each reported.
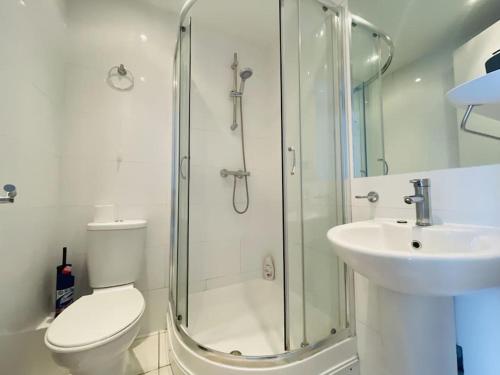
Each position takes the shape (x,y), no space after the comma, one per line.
(418,334)
(423,267)
(478,331)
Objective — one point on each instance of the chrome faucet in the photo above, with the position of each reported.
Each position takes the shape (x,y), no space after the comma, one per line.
(422,201)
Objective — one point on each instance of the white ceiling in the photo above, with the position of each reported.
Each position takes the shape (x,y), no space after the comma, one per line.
(420,26)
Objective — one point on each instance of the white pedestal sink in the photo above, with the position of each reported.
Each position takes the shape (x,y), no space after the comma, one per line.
(419,270)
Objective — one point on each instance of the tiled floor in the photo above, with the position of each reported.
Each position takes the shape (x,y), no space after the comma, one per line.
(148,353)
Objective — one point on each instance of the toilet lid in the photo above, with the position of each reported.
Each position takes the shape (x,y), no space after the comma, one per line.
(95,318)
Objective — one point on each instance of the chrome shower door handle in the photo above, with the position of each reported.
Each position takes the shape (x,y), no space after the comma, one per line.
(294,160)
(181,171)
(386,165)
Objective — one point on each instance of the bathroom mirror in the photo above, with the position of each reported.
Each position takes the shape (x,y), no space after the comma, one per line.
(405,56)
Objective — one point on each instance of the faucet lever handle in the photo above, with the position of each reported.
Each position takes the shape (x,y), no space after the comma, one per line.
(421,182)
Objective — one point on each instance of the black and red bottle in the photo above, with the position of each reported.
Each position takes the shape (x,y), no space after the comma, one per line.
(65,286)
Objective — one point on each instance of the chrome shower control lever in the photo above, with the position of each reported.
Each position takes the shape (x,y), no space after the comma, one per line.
(238,174)
(372,197)
(11,194)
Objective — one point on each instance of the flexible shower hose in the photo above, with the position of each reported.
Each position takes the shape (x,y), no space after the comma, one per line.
(241,212)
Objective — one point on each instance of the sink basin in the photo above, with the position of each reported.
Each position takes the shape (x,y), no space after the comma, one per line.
(441,260)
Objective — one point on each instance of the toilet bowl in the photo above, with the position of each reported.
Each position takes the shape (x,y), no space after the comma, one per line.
(93,335)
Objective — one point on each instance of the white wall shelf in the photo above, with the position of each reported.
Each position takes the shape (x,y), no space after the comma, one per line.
(482,92)
(479,91)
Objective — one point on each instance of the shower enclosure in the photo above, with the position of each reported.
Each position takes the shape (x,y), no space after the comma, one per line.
(256,284)
(372,52)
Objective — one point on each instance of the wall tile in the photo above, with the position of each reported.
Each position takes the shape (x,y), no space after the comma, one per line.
(154,318)
(214,259)
(214,146)
(153,273)
(35,356)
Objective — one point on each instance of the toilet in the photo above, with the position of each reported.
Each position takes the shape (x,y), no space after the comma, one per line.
(93,335)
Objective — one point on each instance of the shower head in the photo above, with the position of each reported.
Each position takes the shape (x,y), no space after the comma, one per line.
(245,74)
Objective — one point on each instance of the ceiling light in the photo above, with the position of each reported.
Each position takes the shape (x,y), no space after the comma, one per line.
(418,80)
(144,37)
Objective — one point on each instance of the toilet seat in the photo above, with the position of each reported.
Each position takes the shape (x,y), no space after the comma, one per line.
(95,319)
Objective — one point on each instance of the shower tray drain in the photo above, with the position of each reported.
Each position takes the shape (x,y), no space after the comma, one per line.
(236,352)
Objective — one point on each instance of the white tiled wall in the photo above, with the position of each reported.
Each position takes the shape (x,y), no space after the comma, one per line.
(115,145)
(464,195)
(226,247)
(417,115)
(69,142)
(31,95)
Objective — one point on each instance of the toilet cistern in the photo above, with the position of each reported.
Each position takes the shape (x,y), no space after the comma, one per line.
(422,201)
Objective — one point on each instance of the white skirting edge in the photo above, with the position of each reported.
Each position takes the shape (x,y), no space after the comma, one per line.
(339,359)
(45,323)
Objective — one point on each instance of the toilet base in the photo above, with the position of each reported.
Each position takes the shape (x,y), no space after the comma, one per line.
(110,358)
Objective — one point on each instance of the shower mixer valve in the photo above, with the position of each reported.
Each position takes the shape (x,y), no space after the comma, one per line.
(11,194)
(238,174)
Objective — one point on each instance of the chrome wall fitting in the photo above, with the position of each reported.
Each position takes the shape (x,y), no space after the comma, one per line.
(11,194)
(120,78)
(238,174)
(372,197)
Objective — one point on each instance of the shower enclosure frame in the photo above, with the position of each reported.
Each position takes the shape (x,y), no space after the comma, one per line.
(347,336)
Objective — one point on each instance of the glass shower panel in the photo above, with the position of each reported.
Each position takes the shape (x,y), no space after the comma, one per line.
(295,325)
(374,125)
(322,209)
(367,58)
(316,297)
(184,82)
(235,271)
(359,131)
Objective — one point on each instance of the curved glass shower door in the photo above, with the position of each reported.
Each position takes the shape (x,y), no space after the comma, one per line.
(314,183)
(260,127)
